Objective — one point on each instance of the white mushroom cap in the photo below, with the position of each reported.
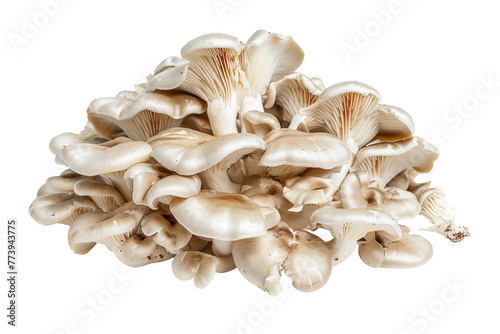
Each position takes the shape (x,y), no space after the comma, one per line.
(384,161)
(150,113)
(104,114)
(356,192)
(301,255)
(394,124)
(164,190)
(264,191)
(291,152)
(292,93)
(169,74)
(90,159)
(62,208)
(222,216)
(269,58)
(140,250)
(260,123)
(105,196)
(441,215)
(164,229)
(88,135)
(308,190)
(63,183)
(349,225)
(140,177)
(110,228)
(215,75)
(408,252)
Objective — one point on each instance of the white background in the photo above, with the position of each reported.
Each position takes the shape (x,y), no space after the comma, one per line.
(427,57)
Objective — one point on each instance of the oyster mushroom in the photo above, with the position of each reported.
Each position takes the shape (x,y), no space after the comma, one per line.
(301,255)
(349,225)
(380,251)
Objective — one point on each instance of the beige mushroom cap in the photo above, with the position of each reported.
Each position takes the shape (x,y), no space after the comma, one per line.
(195,265)
(164,229)
(150,113)
(300,150)
(90,159)
(308,190)
(386,160)
(62,208)
(301,255)
(139,250)
(222,216)
(110,228)
(410,251)
(104,114)
(195,152)
(169,74)
(260,123)
(164,190)
(63,183)
(105,196)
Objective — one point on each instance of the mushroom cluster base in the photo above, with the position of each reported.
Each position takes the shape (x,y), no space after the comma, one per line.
(226,158)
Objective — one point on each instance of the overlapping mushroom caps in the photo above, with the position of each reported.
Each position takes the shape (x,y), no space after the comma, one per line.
(227,158)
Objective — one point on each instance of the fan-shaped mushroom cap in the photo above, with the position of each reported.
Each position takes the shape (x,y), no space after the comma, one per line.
(63,183)
(223,216)
(290,152)
(164,229)
(260,123)
(409,251)
(88,135)
(264,191)
(90,159)
(169,74)
(140,177)
(62,208)
(140,250)
(292,93)
(349,225)
(384,161)
(308,190)
(164,190)
(105,196)
(269,58)
(104,114)
(215,75)
(394,124)
(301,255)
(356,192)
(196,152)
(150,113)
(441,215)
(110,228)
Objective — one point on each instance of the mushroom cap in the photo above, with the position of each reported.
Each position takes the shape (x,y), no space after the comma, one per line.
(408,252)
(111,228)
(140,177)
(90,159)
(301,149)
(169,74)
(308,190)
(162,191)
(269,58)
(63,183)
(264,191)
(301,255)
(212,41)
(221,216)
(61,208)
(104,114)
(260,123)
(354,224)
(292,93)
(195,265)
(195,152)
(394,124)
(386,160)
(105,196)
(164,229)
(139,250)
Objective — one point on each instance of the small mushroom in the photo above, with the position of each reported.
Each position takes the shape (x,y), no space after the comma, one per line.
(441,215)
(380,251)
(169,74)
(63,183)
(302,256)
(349,225)
(105,196)
(260,123)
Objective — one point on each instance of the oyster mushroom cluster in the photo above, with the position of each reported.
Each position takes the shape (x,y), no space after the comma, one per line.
(228,158)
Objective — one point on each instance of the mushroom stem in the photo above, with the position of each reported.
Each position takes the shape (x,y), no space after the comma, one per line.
(296,121)
(222,116)
(250,103)
(217,179)
(341,249)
